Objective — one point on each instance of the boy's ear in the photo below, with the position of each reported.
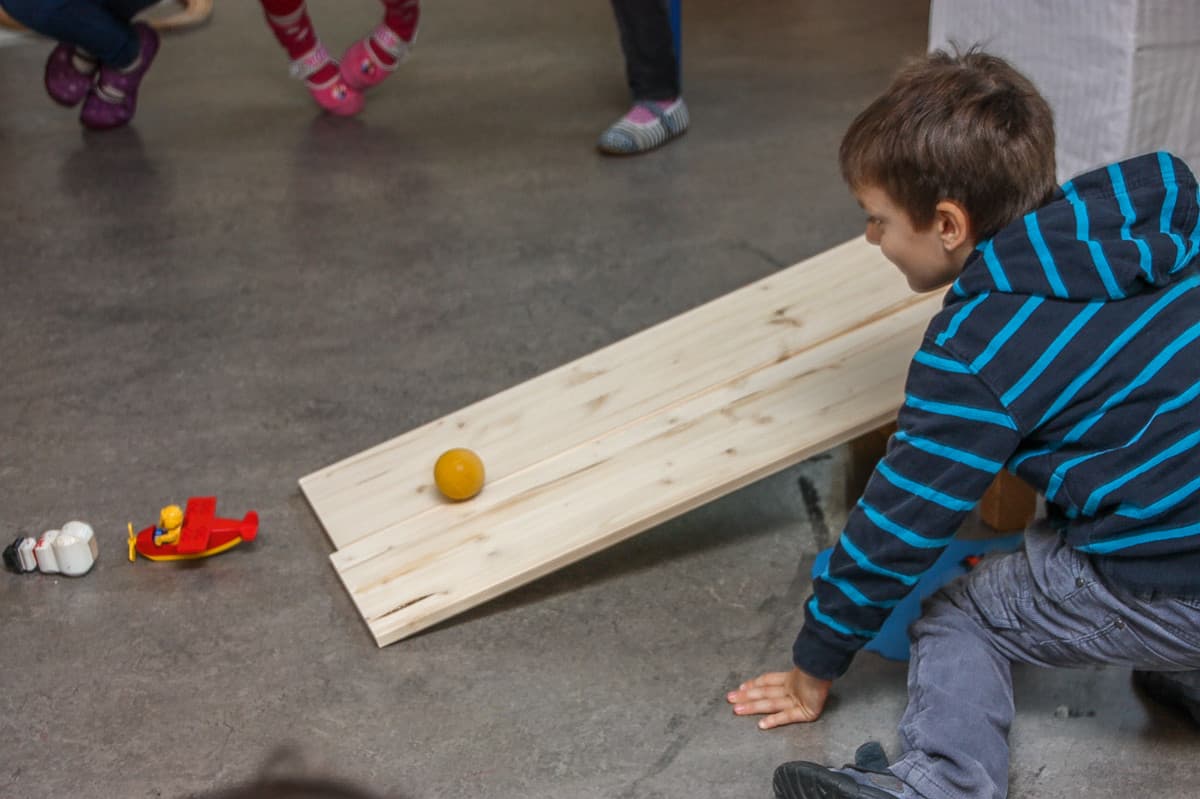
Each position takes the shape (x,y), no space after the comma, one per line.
(953,224)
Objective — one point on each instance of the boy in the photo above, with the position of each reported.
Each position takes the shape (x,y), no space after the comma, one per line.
(1066,351)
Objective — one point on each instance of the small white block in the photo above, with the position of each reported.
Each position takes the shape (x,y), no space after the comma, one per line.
(25,553)
(75,548)
(44,552)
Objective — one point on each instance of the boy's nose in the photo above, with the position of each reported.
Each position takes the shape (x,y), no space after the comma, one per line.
(872,235)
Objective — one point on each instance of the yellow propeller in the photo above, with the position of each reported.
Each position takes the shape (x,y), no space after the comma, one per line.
(132,544)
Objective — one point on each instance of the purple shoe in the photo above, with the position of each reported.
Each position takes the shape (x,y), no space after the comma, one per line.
(113,99)
(66,83)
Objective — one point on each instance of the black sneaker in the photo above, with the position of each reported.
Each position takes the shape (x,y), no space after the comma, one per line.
(801,780)
(1175,688)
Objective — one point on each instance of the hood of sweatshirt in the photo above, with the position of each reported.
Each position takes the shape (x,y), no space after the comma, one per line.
(1106,235)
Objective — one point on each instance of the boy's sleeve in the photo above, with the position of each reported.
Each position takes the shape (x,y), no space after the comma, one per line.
(953,437)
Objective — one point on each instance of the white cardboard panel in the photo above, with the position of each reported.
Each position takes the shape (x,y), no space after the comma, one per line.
(1123,76)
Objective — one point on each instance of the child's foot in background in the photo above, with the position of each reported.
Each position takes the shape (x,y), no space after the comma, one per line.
(112,101)
(368,61)
(325,83)
(649,124)
(70,74)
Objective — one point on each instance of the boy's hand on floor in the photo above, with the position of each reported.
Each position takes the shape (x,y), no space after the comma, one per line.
(788,696)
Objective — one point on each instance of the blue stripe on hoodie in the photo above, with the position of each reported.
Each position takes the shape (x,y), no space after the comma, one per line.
(1168,210)
(1118,180)
(1067,350)
(1044,256)
(1083,224)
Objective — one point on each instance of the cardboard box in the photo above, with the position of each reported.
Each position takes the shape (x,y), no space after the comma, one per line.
(1123,76)
(1009,505)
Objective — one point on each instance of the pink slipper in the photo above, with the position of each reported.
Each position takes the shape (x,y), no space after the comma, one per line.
(332,94)
(362,68)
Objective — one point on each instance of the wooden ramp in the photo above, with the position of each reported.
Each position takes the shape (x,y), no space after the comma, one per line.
(616,442)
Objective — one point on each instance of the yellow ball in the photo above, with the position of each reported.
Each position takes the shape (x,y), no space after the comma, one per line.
(458,474)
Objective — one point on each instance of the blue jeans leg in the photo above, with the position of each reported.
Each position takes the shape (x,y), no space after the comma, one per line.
(1045,606)
(98,27)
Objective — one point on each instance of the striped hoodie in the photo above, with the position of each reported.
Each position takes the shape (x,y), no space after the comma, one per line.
(1068,352)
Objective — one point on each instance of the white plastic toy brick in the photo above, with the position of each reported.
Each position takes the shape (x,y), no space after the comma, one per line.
(71,551)
(44,552)
(25,553)
(75,549)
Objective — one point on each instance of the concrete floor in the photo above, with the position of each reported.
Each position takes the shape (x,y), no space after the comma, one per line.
(237,291)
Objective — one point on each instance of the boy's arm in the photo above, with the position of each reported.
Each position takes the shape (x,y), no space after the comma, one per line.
(954,436)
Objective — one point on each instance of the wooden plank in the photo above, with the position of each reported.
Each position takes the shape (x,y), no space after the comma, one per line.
(412,575)
(623,439)
(793,311)
(589,499)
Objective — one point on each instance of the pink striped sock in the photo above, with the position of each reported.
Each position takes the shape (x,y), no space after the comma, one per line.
(640,115)
(401,16)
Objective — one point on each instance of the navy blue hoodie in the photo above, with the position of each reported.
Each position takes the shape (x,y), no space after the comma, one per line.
(1067,351)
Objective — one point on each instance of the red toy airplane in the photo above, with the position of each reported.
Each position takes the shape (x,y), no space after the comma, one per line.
(201,535)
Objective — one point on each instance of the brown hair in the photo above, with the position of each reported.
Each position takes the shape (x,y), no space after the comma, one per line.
(958,126)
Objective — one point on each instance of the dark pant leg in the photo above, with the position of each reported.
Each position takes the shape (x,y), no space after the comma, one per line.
(87,24)
(127,9)
(649,48)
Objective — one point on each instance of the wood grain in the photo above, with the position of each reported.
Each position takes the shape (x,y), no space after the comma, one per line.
(777,318)
(623,439)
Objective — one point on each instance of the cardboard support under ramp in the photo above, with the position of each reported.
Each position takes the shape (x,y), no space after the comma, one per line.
(623,439)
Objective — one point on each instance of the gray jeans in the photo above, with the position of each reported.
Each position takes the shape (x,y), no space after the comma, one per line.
(1044,605)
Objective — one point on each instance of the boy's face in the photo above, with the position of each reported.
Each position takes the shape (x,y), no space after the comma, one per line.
(930,258)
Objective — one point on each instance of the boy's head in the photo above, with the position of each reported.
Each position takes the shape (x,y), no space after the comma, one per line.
(959,146)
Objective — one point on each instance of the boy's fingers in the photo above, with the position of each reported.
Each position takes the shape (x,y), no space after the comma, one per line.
(792,715)
(749,694)
(771,678)
(770,692)
(768,705)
